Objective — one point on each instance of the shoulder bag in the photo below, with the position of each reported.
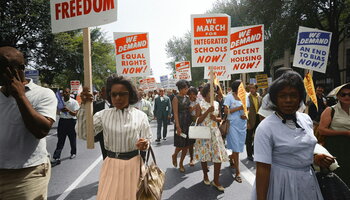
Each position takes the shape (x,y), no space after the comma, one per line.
(152,179)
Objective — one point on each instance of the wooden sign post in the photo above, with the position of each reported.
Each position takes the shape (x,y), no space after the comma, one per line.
(211,86)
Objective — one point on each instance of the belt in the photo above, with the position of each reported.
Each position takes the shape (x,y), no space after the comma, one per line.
(123,155)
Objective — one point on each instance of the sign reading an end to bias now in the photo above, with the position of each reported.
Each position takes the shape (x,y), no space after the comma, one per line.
(69,15)
(312,49)
(210,40)
(132,54)
(247,49)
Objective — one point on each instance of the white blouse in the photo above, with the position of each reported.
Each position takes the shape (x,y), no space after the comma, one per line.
(121,128)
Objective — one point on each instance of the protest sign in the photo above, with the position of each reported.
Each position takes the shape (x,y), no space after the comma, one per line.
(219,71)
(310,89)
(242,95)
(247,49)
(33,74)
(74,86)
(132,50)
(183,70)
(252,81)
(172,84)
(210,40)
(69,15)
(312,49)
(151,84)
(262,80)
(143,84)
(164,81)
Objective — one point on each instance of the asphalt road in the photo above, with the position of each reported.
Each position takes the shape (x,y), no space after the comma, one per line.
(77,179)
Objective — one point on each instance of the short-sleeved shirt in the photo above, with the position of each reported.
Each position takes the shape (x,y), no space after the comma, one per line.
(71,105)
(18,147)
(231,102)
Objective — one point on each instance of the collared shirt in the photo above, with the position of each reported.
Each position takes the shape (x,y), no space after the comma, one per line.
(121,128)
(146,107)
(71,105)
(18,147)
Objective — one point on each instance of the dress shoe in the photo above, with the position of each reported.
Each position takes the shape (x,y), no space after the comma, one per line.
(55,162)
(72,156)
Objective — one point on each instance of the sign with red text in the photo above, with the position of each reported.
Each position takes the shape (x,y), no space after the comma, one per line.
(247,49)
(151,83)
(143,84)
(67,15)
(310,88)
(242,95)
(219,71)
(210,40)
(312,49)
(132,54)
(74,86)
(183,70)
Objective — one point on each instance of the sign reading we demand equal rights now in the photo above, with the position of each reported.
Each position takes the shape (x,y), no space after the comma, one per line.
(211,42)
(183,70)
(312,49)
(69,15)
(132,52)
(247,49)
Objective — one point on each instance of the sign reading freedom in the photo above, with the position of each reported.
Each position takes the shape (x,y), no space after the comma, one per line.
(69,15)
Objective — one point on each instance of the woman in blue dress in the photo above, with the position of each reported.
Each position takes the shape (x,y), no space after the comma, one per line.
(284,146)
(238,126)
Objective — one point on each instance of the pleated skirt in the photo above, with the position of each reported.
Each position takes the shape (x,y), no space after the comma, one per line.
(119,179)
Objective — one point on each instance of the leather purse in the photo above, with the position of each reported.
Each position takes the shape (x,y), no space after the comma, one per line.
(224,126)
(152,180)
(199,132)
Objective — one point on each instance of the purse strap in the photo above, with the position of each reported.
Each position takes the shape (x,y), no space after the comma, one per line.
(150,151)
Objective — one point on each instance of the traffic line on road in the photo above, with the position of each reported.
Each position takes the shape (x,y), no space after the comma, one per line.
(247,174)
(79,179)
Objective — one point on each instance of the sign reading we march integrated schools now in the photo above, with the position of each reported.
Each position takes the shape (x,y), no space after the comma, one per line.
(312,49)
(210,40)
(69,15)
(132,50)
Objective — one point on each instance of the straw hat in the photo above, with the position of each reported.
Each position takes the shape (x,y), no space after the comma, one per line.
(335,91)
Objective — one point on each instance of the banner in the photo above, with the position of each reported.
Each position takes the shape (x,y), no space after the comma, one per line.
(262,80)
(151,84)
(74,86)
(219,71)
(242,95)
(247,49)
(67,15)
(310,89)
(210,40)
(164,81)
(312,49)
(183,70)
(132,50)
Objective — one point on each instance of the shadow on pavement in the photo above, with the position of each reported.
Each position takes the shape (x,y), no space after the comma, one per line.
(83,193)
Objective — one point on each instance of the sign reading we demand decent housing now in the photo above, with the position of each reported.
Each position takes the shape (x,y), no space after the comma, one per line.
(132,52)
(247,49)
(312,49)
(69,15)
(210,42)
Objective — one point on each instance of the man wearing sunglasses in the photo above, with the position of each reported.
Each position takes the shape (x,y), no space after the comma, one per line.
(27,112)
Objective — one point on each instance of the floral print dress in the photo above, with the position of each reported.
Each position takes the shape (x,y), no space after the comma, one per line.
(211,150)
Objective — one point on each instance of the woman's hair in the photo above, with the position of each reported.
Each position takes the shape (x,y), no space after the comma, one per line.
(181,84)
(205,90)
(288,79)
(115,79)
(235,85)
(192,90)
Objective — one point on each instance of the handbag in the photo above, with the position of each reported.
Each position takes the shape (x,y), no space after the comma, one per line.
(224,126)
(332,187)
(152,179)
(199,132)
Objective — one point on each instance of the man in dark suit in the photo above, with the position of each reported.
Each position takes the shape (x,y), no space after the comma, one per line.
(98,106)
(253,119)
(162,112)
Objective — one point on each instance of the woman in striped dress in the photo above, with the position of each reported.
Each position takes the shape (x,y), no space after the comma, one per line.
(126,131)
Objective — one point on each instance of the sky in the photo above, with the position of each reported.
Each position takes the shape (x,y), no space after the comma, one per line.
(162,19)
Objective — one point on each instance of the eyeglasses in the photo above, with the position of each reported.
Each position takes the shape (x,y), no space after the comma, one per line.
(120,94)
(343,94)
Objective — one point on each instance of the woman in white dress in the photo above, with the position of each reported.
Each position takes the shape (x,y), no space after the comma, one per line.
(284,146)
(126,131)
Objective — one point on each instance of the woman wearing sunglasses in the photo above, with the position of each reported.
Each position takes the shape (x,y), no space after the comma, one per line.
(335,126)
(126,131)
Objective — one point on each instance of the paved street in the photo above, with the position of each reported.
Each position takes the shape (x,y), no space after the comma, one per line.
(78,178)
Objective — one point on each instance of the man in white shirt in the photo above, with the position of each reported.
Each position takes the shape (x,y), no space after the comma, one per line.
(66,127)
(144,105)
(27,112)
